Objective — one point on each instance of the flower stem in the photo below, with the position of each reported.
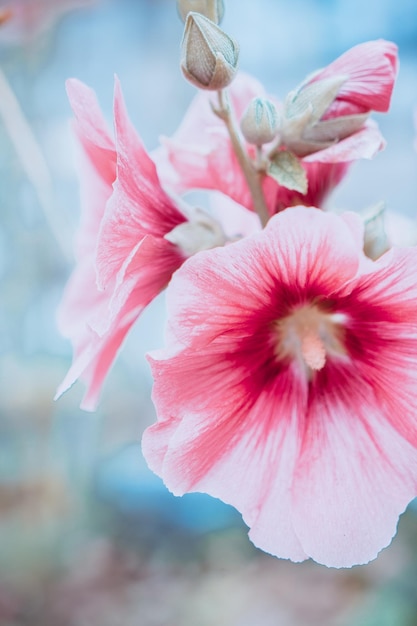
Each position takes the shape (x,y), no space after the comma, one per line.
(259,159)
(252,176)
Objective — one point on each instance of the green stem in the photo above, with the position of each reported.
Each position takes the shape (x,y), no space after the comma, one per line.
(252,176)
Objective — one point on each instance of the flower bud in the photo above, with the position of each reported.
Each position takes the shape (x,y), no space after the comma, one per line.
(375,236)
(209,56)
(212,9)
(259,123)
(304,130)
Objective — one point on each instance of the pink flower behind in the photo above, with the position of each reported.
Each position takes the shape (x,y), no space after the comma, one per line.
(199,155)
(24,20)
(288,387)
(124,259)
(371,69)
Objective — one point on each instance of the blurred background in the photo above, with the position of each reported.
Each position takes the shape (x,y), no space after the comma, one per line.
(88,536)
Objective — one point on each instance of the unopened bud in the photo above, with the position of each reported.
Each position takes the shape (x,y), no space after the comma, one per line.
(304,130)
(375,236)
(260,122)
(209,56)
(213,9)
(316,97)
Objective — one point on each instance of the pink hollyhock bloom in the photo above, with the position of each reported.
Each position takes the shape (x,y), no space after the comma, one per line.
(200,155)
(124,258)
(288,387)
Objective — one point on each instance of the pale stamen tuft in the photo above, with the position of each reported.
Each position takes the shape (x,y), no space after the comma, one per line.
(313,350)
(311,335)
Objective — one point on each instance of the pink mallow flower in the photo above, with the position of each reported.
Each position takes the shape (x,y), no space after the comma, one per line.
(127,244)
(288,387)
(200,155)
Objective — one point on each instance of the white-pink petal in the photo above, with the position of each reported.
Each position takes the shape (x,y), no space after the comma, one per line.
(371,69)
(138,205)
(355,476)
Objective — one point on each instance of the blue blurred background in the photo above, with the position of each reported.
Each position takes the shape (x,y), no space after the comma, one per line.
(87,534)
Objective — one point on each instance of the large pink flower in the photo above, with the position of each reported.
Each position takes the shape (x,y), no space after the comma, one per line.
(124,259)
(288,387)
(199,155)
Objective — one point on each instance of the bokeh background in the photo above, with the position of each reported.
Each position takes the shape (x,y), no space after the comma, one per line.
(88,536)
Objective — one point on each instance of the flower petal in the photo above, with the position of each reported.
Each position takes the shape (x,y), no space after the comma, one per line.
(371,69)
(364,144)
(382,301)
(311,251)
(200,125)
(81,299)
(91,129)
(355,474)
(138,206)
(93,362)
(143,275)
(206,450)
(301,253)
(96,163)
(199,155)
(235,220)
(98,321)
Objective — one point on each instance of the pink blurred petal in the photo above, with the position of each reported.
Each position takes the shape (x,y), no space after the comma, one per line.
(143,275)
(199,154)
(364,144)
(355,475)
(200,124)
(93,362)
(371,69)
(96,162)
(138,205)
(126,209)
(389,284)
(81,300)
(200,455)
(235,220)
(99,321)
(401,229)
(95,192)
(27,19)
(91,129)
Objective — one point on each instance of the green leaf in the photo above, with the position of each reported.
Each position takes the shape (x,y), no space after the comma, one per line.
(287,170)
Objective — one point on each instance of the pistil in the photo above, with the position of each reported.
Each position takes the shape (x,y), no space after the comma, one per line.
(310,335)
(313,350)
